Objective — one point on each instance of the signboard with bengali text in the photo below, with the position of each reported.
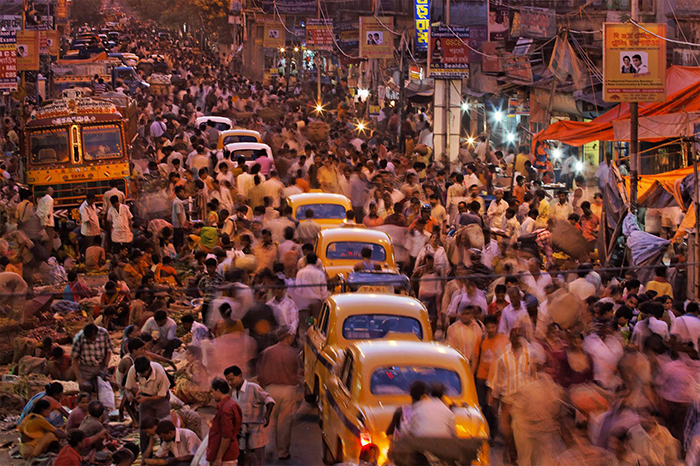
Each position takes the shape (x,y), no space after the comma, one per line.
(634,63)
(537,23)
(27,50)
(274,34)
(319,34)
(448,54)
(421,15)
(8,61)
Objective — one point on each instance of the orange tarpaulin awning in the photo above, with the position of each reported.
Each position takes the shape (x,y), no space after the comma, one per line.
(684,99)
(668,181)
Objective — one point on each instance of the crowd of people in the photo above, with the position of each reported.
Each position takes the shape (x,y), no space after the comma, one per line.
(573,364)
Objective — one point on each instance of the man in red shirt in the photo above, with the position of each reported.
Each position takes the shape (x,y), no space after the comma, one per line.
(223,444)
(69,456)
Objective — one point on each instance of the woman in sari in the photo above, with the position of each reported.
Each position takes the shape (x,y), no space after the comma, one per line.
(36,433)
(133,271)
(166,273)
(52,394)
(191,381)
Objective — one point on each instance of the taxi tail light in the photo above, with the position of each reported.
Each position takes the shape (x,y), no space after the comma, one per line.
(365,438)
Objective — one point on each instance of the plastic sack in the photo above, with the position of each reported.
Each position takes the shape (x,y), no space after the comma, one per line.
(105,394)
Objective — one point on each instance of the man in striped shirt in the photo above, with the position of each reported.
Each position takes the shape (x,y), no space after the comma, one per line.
(513,370)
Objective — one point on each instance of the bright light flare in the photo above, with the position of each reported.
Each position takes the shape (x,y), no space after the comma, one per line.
(579,166)
(281,49)
(510,137)
(470,140)
(392,103)
(363,93)
(465,106)
(296,49)
(556,153)
(361,126)
(498,116)
(319,107)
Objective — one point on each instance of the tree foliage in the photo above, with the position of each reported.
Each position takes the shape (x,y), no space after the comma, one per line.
(86,11)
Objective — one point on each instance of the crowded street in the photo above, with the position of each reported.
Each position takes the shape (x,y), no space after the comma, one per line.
(373,233)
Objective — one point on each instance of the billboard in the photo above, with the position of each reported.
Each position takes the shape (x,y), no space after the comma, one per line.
(535,23)
(27,50)
(499,21)
(348,32)
(376,38)
(8,61)
(319,34)
(634,63)
(421,18)
(448,54)
(274,34)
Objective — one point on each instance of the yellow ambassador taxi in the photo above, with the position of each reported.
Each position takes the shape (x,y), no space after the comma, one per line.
(231,136)
(329,209)
(350,317)
(339,249)
(373,378)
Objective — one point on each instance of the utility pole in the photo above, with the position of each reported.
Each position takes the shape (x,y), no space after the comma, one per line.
(402,91)
(317,55)
(634,135)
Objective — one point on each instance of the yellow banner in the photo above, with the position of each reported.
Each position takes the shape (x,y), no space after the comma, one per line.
(27,50)
(376,37)
(634,62)
(52,42)
(274,34)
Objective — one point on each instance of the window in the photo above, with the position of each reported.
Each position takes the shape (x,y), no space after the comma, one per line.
(102,142)
(249,155)
(346,371)
(336,211)
(239,138)
(376,326)
(353,250)
(396,380)
(49,146)
(323,320)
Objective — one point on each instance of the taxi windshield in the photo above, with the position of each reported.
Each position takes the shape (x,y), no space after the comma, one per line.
(102,142)
(335,211)
(376,326)
(49,146)
(353,250)
(396,380)
(239,138)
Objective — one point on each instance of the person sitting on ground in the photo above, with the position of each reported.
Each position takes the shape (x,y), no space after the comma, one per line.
(95,258)
(60,365)
(76,290)
(191,380)
(81,410)
(177,445)
(36,433)
(52,393)
(162,328)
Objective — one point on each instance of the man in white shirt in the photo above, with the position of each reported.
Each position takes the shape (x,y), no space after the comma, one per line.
(497,211)
(274,188)
(44,210)
(162,328)
(148,383)
(431,418)
(308,229)
(285,310)
(244,181)
(157,128)
(121,220)
(89,222)
(582,287)
(308,296)
(178,445)
(528,224)
(513,315)
(471,296)
(114,191)
(562,209)
(687,327)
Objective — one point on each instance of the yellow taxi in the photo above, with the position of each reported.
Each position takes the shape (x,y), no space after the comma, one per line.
(329,209)
(231,136)
(347,318)
(339,249)
(372,379)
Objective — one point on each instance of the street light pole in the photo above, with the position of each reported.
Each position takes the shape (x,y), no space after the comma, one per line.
(634,135)
(318,62)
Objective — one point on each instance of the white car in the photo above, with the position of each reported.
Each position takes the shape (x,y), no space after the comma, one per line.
(221,123)
(252,152)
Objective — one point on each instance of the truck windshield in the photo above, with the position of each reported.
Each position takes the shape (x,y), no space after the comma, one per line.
(49,146)
(102,142)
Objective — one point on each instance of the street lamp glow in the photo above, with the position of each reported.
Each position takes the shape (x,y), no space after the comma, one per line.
(361,126)
(498,116)
(296,49)
(363,93)
(281,49)
(392,103)
(556,153)
(579,166)
(510,137)
(470,140)
(465,106)
(319,107)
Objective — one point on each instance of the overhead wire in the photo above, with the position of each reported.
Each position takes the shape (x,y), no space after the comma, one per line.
(325,18)
(679,42)
(678,25)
